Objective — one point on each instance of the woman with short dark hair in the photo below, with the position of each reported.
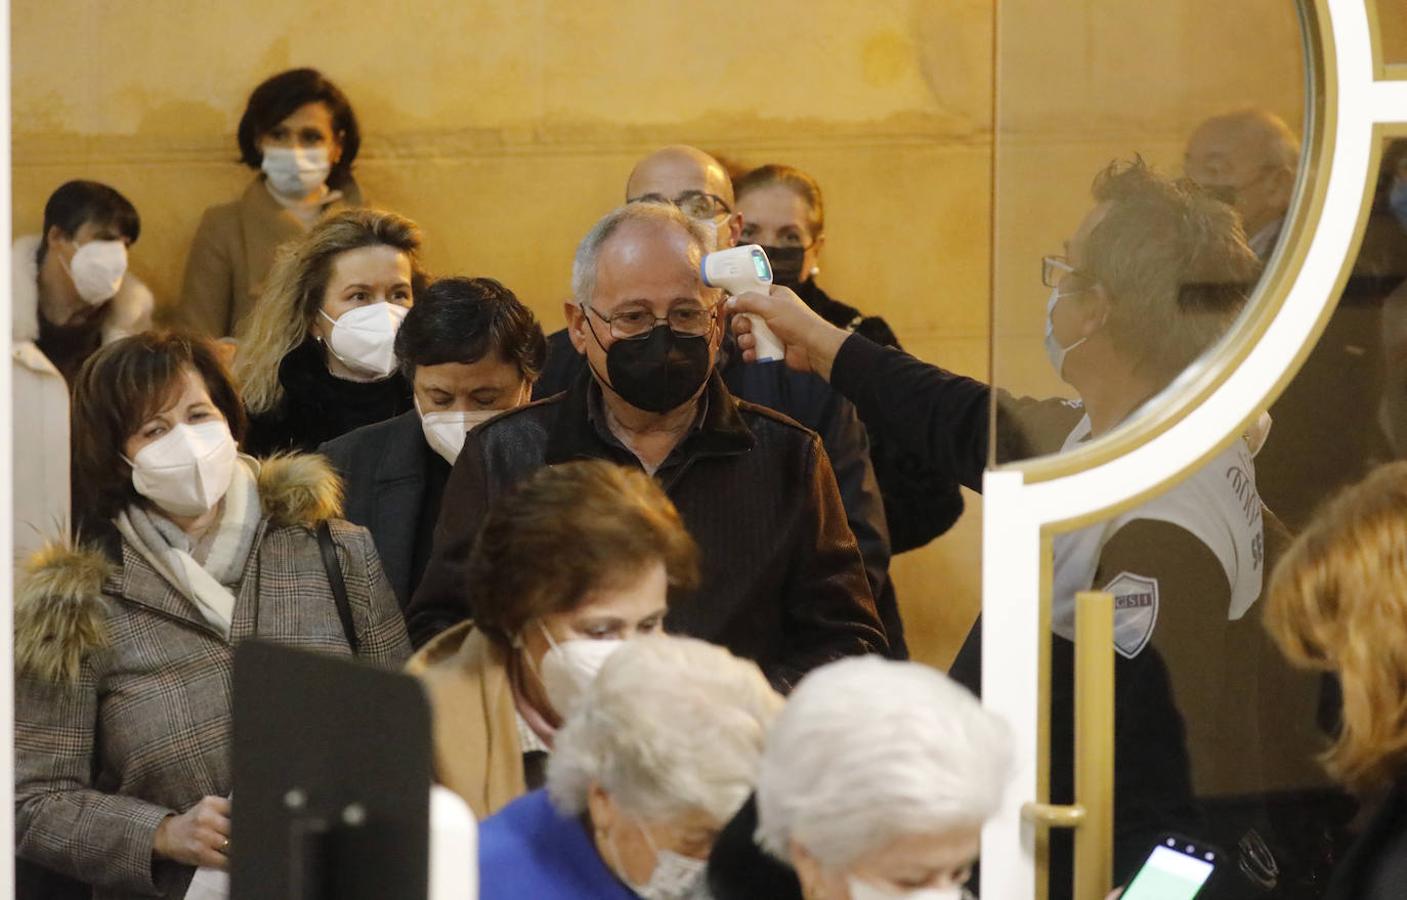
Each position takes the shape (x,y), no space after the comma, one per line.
(469,350)
(71,288)
(300,134)
(579,557)
(125,636)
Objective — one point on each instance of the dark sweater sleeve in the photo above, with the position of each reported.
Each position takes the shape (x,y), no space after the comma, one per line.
(926,411)
(829,609)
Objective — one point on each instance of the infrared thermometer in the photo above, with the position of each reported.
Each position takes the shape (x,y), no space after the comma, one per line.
(738,270)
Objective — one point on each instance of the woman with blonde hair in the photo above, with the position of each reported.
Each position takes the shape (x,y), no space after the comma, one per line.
(1338,603)
(317,359)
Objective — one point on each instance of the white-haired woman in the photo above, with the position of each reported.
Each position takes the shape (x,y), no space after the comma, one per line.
(875,784)
(659,754)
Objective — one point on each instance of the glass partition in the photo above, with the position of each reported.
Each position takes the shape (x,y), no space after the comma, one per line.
(1147,162)
(1392,31)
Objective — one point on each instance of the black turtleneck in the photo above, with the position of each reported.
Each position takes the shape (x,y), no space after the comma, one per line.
(318,406)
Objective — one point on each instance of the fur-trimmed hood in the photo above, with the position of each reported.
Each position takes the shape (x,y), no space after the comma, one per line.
(130,309)
(60,609)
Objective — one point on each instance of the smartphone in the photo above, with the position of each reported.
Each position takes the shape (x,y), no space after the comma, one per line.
(1177,869)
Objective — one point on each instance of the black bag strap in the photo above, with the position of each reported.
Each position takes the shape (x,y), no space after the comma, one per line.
(339,587)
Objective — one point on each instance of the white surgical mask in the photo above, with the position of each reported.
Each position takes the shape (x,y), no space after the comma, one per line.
(569,668)
(1053,351)
(97,270)
(364,339)
(675,876)
(186,471)
(295,172)
(864,890)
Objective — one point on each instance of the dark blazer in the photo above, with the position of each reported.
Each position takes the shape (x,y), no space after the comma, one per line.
(385,469)
(1375,867)
(783,582)
(808,400)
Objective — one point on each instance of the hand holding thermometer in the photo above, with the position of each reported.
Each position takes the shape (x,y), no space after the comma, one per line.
(738,270)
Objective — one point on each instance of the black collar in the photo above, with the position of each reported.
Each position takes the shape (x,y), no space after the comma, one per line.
(577,434)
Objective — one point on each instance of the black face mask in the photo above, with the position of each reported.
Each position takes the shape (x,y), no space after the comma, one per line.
(660,372)
(786,264)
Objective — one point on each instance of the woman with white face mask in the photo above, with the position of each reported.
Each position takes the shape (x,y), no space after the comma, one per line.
(470,351)
(125,634)
(70,293)
(300,135)
(875,784)
(577,560)
(661,750)
(71,290)
(318,357)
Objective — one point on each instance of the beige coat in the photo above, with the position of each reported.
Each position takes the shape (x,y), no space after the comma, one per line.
(122,695)
(477,752)
(232,253)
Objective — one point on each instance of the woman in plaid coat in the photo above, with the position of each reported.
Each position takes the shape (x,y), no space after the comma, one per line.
(124,642)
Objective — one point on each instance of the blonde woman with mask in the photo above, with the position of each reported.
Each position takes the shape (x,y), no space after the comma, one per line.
(300,135)
(125,638)
(318,357)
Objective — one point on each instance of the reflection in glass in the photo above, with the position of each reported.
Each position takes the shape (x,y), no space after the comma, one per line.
(1215,735)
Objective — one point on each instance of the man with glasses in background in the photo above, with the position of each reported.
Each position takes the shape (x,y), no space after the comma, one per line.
(783,580)
(699,186)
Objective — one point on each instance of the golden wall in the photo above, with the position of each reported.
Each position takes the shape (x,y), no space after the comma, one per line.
(505,129)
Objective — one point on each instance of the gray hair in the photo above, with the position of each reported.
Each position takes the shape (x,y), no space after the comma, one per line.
(670,725)
(869,751)
(662,215)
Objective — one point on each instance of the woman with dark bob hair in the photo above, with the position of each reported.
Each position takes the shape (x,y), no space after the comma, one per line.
(576,559)
(300,135)
(318,356)
(469,350)
(125,637)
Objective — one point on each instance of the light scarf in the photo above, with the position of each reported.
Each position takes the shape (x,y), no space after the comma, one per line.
(207,573)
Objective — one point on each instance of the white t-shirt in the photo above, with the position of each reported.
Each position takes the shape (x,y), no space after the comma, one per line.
(1218,504)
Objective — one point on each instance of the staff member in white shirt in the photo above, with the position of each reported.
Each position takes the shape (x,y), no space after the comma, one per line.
(1152,277)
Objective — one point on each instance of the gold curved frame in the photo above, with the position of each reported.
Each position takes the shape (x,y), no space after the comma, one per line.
(1210,372)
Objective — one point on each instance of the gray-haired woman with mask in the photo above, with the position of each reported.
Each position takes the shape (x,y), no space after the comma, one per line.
(659,754)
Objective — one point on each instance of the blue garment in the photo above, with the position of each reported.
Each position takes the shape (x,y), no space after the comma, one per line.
(528,851)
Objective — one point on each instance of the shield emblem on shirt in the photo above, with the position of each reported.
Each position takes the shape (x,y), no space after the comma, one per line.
(1135,612)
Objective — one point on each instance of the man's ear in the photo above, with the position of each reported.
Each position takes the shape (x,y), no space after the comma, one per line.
(735,229)
(1095,309)
(576,324)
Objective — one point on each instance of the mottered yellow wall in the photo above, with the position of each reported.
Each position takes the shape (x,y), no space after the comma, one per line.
(506,128)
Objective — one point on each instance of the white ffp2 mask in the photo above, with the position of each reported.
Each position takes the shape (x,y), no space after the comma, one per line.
(445,431)
(569,668)
(97,270)
(188,470)
(295,172)
(364,339)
